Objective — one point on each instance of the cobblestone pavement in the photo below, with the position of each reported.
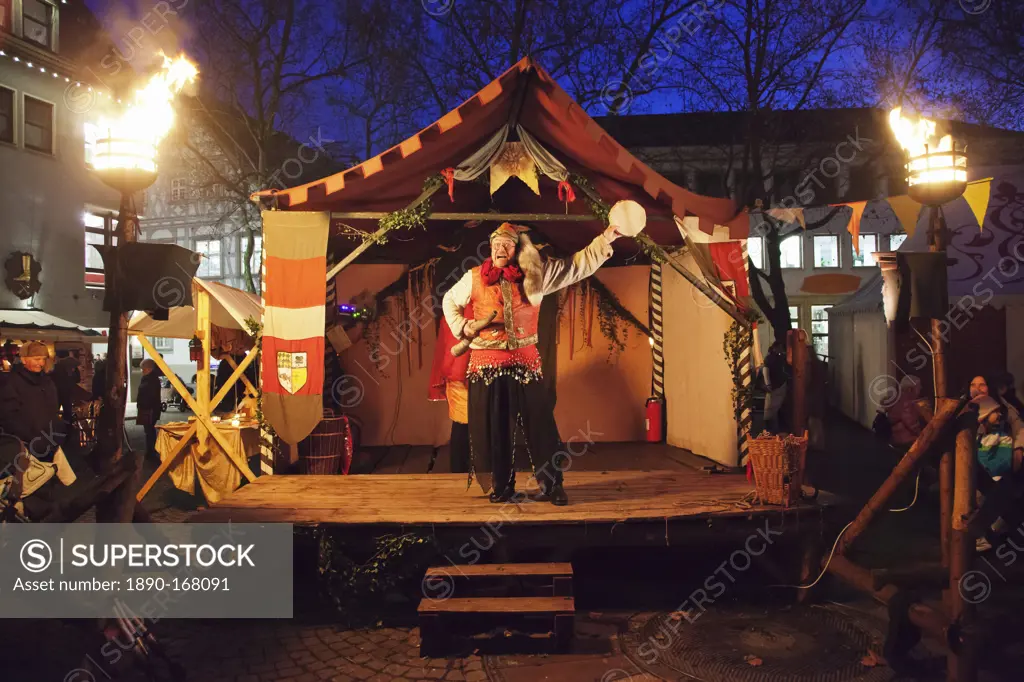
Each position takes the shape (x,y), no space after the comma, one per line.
(269,652)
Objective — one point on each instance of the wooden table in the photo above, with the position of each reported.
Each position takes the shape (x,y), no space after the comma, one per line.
(218,476)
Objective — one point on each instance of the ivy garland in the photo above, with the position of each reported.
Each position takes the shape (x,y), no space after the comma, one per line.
(361,589)
(736,340)
(255,329)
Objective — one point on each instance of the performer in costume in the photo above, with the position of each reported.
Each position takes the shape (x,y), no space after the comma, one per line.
(506,397)
(448,383)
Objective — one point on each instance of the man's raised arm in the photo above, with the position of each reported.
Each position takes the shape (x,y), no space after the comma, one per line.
(560,273)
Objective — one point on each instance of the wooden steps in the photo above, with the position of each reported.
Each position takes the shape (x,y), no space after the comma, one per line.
(459,601)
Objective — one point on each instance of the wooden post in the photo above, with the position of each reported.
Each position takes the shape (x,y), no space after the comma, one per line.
(944,412)
(961,667)
(203,368)
(945,503)
(118,506)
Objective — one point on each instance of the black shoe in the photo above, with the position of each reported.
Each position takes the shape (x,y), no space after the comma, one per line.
(506,495)
(558,496)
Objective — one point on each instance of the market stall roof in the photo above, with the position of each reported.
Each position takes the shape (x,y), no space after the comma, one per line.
(229,309)
(32,324)
(527,96)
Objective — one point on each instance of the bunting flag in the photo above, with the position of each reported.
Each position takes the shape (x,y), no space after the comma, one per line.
(789,215)
(295,247)
(907,212)
(854,226)
(977,195)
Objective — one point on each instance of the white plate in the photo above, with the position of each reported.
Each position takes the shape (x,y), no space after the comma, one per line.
(629,217)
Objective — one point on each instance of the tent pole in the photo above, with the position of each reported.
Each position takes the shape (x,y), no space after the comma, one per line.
(347,260)
(203,367)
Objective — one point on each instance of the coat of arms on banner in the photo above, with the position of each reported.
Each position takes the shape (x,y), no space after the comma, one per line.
(291,370)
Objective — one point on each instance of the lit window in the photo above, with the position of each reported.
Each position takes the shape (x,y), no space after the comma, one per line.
(257,254)
(37,21)
(210,265)
(161,343)
(179,190)
(896,241)
(99,230)
(38,125)
(6,115)
(755,249)
(791,252)
(5,15)
(868,244)
(819,329)
(826,251)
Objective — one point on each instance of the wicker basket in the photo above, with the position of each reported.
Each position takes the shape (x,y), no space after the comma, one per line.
(778,464)
(328,450)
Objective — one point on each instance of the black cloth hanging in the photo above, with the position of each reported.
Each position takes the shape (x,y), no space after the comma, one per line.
(149,277)
(916,287)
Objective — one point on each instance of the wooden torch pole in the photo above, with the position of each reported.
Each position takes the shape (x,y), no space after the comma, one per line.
(940,345)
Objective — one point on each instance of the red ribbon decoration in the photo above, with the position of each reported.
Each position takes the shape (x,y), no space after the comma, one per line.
(449,177)
(565,192)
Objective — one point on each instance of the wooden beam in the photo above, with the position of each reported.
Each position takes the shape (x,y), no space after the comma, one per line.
(367,243)
(233,379)
(168,462)
(203,366)
(946,409)
(249,388)
(510,217)
(710,293)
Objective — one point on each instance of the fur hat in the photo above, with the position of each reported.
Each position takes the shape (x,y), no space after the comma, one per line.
(34,349)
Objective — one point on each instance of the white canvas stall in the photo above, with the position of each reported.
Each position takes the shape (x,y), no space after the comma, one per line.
(229,309)
(698,382)
(861,375)
(36,325)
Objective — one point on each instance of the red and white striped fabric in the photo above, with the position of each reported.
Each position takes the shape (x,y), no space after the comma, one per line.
(295,271)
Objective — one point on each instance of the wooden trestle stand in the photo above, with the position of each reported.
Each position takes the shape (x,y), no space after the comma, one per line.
(203,427)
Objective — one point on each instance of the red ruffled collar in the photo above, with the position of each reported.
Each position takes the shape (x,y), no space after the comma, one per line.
(492,275)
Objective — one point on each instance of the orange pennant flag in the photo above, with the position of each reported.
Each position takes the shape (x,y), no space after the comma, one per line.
(977,195)
(907,212)
(854,226)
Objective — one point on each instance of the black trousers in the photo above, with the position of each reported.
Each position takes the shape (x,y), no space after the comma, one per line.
(507,418)
(459,447)
(150,430)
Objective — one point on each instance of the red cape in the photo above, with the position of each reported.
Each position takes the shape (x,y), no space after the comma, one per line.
(446,368)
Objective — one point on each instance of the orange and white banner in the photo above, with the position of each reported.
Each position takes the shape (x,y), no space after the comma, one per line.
(295,270)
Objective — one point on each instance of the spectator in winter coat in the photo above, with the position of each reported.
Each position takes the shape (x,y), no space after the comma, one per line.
(149,404)
(996,389)
(904,417)
(29,404)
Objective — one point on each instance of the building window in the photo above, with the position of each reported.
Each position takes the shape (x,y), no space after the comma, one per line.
(819,329)
(210,265)
(6,115)
(38,125)
(37,21)
(826,251)
(791,251)
(256,258)
(99,230)
(868,244)
(5,16)
(794,316)
(755,249)
(162,344)
(179,190)
(896,240)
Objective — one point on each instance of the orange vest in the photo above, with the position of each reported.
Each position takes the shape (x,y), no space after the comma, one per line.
(515,325)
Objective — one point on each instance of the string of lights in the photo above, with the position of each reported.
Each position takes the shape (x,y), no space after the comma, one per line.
(67,79)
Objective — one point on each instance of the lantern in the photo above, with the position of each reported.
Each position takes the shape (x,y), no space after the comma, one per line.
(195,349)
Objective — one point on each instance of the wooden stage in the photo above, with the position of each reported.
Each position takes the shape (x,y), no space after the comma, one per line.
(606,506)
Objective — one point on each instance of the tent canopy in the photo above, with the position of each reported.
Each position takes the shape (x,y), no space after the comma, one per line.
(526,96)
(229,308)
(36,325)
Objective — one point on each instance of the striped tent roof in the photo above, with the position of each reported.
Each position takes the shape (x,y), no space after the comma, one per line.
(394,178)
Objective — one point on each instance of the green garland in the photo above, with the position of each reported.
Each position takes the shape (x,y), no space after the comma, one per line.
(255,329)
(737,339)
(362,589)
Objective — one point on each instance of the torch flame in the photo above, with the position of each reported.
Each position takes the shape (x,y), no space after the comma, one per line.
(132,138)
(932,158)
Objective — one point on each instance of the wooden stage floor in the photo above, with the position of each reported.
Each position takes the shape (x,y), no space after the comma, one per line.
(675,492)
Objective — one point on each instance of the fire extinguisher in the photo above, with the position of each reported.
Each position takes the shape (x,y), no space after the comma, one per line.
(655,419)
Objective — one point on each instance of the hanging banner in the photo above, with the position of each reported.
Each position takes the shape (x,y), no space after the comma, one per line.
(907,212)
(854,226)
(295,248)
(977,195)
(788,215)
